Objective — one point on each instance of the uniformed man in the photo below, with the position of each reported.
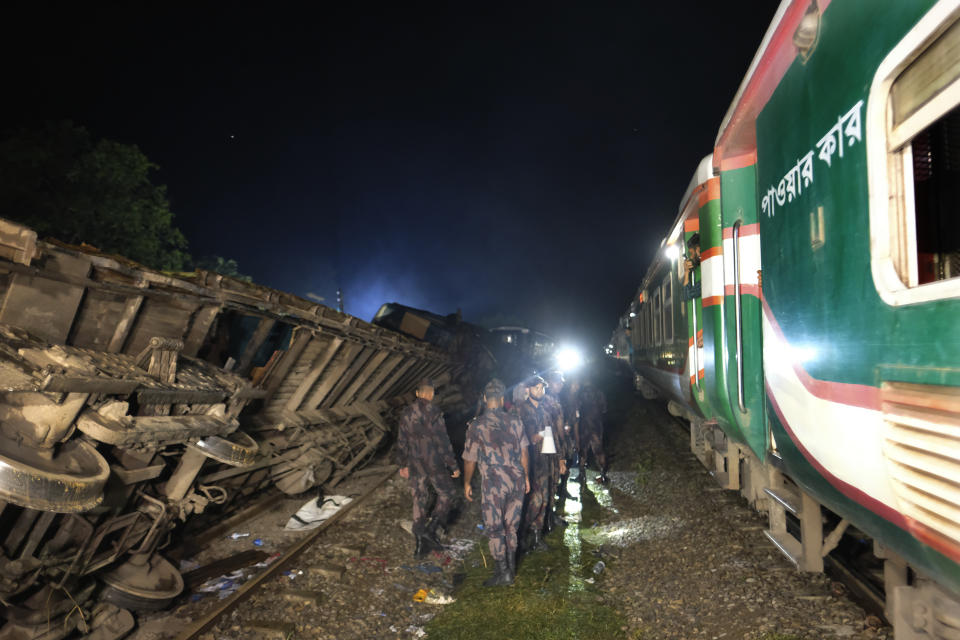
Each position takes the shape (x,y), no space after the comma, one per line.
(426,458)
(536,419)
(593,405)
(558,467)
(496,441)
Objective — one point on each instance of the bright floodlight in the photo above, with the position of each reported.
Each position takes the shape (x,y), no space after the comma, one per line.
(568,359)
(673,252)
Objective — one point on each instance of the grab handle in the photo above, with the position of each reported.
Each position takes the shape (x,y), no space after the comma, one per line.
(739,313)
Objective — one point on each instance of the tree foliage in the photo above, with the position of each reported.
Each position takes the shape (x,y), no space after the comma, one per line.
(221,265)
(63,183)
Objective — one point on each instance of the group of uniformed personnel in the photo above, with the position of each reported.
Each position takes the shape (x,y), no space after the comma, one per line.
(523,457)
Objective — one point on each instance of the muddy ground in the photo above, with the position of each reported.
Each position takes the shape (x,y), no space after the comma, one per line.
(659,552)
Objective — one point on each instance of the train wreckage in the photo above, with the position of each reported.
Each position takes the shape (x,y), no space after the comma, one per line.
(137,405)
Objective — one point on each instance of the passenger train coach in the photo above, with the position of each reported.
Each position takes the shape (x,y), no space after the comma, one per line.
(820,364)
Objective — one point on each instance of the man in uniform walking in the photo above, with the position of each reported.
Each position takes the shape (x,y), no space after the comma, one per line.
(536,419)
(558,468)
(426,458)
(593,405)
(497,443)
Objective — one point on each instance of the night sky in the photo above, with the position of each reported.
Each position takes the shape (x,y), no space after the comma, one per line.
(521,162)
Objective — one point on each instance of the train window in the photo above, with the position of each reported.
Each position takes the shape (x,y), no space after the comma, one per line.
(645,316)
(657,335)
(667,311)
(914,169)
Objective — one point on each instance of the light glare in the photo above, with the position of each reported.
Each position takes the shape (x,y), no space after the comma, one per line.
(568,359)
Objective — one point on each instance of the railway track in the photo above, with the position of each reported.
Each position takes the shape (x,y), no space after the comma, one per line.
(250,587)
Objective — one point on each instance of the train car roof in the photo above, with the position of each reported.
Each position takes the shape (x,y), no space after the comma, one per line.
(736,143)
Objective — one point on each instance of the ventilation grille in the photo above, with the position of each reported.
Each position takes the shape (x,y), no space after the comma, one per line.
(922,446)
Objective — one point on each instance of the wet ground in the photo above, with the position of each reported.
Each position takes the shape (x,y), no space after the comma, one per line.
(658,552)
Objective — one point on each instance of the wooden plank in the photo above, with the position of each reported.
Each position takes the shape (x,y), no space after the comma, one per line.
(400,371)
(332,376)
(125,323)
(42,304)
(369,369)
(374,382)
(302,337)
(308,381)
(359,365)
(411,378)
(197,334)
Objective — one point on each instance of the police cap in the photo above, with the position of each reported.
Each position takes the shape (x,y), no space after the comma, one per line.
(534,380)
(426,382)
(494,389)
(554,376)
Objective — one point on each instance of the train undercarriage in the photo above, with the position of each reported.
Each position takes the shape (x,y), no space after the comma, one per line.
(137,407)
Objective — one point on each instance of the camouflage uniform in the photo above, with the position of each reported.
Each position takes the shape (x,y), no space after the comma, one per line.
(536,418)
(555,414)
(424,447)
(593,404)
(495,440)
(570,401)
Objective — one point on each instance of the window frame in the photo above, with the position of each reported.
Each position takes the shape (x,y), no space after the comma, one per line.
(893,233)
(666,298)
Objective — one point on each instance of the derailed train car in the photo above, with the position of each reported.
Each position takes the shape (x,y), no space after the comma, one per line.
(819,363)
(136,406)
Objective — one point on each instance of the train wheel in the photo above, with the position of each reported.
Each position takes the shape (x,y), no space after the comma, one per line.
(64,480)
(142,583)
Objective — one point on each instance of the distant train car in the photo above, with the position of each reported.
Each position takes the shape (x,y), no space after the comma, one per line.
(819,362)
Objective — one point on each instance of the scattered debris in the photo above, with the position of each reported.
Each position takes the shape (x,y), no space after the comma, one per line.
(230,565)
(301,596)
(438,598)
(329,571)
(235,536)
(312,514)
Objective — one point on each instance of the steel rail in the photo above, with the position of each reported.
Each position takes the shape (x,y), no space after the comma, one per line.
(251,586)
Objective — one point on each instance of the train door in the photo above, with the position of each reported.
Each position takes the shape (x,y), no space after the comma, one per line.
(741,300)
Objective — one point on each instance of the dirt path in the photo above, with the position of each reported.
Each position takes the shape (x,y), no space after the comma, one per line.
(659,552)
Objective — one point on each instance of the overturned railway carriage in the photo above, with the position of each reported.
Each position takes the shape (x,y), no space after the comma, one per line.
(820,363)
(136,408)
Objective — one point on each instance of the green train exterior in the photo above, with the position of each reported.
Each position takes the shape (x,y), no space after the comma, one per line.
(830,232)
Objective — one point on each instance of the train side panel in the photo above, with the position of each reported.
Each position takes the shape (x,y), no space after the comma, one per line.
(862,378)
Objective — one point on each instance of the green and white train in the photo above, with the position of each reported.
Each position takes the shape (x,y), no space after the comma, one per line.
(820,365)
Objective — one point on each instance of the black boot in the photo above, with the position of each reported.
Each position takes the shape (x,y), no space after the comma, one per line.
(555,521)
(512,564)
(424,545)
(433,524)
(501,575)
(538,543)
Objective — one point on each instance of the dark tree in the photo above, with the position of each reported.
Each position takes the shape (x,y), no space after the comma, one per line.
(221,265)
(64,184)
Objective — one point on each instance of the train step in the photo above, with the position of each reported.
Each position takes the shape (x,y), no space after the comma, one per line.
(789,499)
(787,544)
